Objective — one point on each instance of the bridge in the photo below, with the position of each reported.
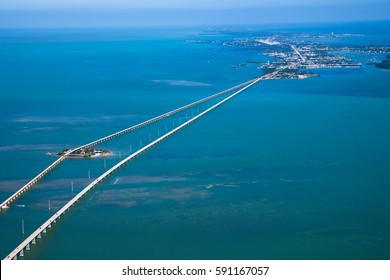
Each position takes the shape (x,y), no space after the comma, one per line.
(37,234)
(36,179)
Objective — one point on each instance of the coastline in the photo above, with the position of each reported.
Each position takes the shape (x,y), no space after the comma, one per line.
(292,147)
(86,153)
(92,156)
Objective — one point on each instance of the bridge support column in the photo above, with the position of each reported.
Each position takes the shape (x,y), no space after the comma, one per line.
(28,247)
(21,253)
(44,231)
(33,242)
(39,236)
(49,226)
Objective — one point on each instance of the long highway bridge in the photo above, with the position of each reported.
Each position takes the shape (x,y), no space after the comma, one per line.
(37,234)
(36,179)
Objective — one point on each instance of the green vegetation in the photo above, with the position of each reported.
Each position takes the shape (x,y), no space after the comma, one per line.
(85,153)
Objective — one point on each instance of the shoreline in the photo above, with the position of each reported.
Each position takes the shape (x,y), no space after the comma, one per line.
(92,156)
(86,153)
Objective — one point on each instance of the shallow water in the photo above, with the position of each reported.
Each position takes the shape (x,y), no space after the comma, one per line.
(287,170)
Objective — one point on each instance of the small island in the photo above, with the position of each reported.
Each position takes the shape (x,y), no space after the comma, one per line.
(385,64)
(85,153)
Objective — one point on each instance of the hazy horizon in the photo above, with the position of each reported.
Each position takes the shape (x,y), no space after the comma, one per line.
(120,13)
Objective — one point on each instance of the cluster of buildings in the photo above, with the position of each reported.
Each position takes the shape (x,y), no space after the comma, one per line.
(294,55)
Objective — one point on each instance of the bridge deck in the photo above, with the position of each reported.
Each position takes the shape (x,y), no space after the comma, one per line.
(46,225)
(35,180)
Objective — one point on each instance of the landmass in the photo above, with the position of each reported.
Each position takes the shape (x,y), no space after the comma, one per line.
(385,64)
(294,54)
(86,153)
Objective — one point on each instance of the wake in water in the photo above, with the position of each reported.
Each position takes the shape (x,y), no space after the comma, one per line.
(182,83)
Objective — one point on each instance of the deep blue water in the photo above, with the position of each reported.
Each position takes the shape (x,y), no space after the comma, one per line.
(288,170)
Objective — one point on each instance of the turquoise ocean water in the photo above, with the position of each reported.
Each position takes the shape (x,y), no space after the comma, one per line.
(290,169)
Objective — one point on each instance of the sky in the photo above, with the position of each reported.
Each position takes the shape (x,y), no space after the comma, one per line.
(92,13)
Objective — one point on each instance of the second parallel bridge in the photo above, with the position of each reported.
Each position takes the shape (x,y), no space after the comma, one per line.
(42,174)
(37,234)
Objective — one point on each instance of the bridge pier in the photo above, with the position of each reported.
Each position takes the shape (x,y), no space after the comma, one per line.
(32,239)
